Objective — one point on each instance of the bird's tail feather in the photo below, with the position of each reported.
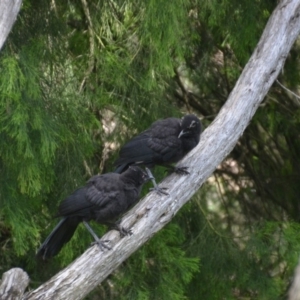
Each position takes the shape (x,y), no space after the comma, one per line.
(59,236)
(121,168)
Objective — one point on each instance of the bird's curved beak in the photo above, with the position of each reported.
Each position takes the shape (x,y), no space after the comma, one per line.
(146,177)
(182,133)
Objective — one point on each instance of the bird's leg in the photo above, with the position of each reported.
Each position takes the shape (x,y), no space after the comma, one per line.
(101,244)
(156,188)
(177,170)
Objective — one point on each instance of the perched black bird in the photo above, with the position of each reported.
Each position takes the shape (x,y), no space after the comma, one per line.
(165,142)
(103,199)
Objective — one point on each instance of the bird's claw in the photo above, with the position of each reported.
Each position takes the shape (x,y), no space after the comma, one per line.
(159,190)
(124,231)
(102,244)
(181,170)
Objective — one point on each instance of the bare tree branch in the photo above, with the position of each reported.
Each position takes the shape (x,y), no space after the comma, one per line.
(154,212)
(288,90)
(13,284)
(294,291)
(9,10)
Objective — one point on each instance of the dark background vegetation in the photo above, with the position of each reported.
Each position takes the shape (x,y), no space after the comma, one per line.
(79,78)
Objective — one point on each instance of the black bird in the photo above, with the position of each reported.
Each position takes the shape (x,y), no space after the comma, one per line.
(103,199)
(165,142)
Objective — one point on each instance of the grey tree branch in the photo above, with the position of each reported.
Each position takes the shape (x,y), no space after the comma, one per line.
(154,212)
(294,291)
(13,284)
(9,10)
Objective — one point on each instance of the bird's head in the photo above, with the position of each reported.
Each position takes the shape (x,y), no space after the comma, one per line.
(190,127)
(138,175)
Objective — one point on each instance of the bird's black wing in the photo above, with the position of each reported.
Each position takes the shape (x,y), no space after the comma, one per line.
(107,195)
(103,189)
(75,204)
(155,145)
(164,141)
(136,150)
(99,190)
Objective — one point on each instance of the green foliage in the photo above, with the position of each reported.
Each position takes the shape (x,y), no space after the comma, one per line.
(163,268)
(236,23)
(164,23)
(243,264)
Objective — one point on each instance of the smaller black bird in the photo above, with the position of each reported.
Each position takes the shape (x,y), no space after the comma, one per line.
(165,142)
(103,199)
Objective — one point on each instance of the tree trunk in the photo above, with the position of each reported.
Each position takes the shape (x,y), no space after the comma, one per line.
(9,10)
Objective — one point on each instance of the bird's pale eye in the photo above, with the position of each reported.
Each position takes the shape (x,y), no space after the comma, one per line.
(193,124)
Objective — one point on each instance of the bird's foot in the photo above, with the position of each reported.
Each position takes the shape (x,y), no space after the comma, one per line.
(102,244)
(181,170)
(156,188)
(159,190)
(122,230)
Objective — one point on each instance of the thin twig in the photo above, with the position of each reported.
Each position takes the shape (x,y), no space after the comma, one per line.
(92,44)
(294,94)
(219,189)
(54,7)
